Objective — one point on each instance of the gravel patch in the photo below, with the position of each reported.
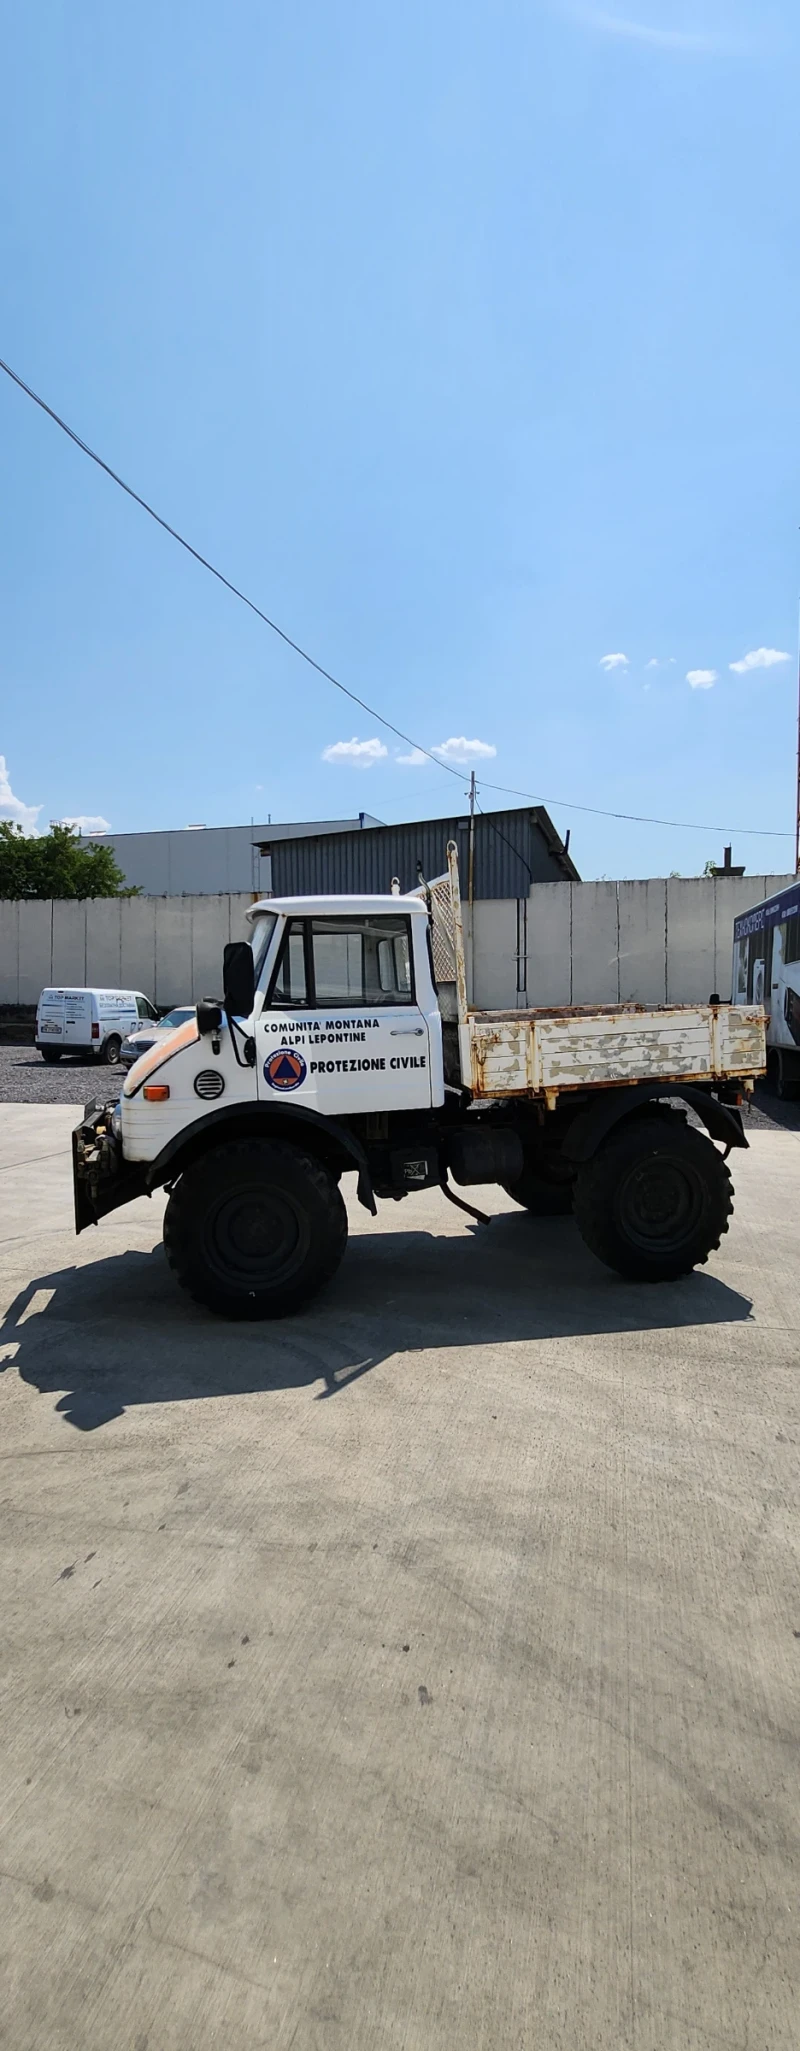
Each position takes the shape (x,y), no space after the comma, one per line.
(26,1079)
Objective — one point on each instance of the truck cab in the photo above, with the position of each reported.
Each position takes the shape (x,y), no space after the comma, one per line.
(344,1024)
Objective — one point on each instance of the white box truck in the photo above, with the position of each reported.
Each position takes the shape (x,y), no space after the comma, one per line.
(76,1021)
(345,1040)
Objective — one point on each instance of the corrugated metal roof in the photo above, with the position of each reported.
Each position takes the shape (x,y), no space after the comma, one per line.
(512,850)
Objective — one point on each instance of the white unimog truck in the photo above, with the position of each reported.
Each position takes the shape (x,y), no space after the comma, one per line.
(345,1041)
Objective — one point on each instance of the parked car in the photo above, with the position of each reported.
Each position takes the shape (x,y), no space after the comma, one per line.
(75,1021)
(147,1035)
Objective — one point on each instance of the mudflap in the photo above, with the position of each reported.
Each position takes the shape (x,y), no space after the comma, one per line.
(101,1179)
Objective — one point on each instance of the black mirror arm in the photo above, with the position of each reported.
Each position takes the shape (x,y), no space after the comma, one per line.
(247,1059)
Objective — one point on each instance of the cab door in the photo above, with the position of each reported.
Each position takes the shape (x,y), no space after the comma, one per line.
(341,1030)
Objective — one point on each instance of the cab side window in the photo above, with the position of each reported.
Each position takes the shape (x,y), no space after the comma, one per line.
(361,961)
(144,1009)
(344,962)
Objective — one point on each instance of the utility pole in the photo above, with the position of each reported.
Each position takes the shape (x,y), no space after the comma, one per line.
(797,792)
(471,877)
(472,827)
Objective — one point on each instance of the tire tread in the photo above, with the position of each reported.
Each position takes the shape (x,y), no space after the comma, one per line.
(594,1206)
(204,1289)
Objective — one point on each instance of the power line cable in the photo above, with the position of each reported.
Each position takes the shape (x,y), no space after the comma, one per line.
(221,579)
(634,818)
(502,836)
(637,818)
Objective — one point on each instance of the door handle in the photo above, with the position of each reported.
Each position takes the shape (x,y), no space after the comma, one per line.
(406,1032)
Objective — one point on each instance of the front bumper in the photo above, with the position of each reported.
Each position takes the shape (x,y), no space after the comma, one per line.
(102,1179)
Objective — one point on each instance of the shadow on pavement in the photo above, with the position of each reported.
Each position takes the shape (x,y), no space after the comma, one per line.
(118,1332)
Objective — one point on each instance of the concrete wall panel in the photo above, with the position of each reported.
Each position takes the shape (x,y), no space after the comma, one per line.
(9,952)
(103,943)
(239,904)
(210,933)
(690,939)
(173,951)
(69,942)
(35,941)
(138,945)
(595,943)
(494,982)
(642,941)
(549,965)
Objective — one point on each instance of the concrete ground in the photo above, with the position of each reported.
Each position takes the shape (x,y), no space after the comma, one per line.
(421,1672)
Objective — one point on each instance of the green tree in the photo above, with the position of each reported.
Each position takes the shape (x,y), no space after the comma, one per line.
(57,864)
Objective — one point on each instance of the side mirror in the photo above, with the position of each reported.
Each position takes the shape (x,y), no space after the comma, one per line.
(238,978)
(209,1016)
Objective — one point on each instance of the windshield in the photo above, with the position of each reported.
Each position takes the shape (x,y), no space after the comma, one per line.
(263,929)
(179,1016)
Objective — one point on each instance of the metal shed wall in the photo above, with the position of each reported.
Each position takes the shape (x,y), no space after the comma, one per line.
(512,851)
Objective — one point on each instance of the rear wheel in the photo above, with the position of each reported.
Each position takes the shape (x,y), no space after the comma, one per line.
(255,1228)
(654,1201)
(51,1055)
(545,1186)
(111,1050)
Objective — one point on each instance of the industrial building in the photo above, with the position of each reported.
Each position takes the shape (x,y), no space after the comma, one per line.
(205,861)
(511,851)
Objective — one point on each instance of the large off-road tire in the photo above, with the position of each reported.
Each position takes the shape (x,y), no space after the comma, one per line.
(51,1055)
(655,1199)
(547,1195)
(255,1228)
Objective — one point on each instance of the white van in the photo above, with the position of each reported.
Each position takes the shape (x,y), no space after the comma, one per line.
(89,1021)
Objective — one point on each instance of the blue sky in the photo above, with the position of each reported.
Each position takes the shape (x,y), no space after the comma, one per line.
(464,337)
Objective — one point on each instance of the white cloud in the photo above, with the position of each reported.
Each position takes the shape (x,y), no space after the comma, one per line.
(667,662)
(12,807)
(459,749)
(759,658)
(416,759)
(359,754)
(701,679)
(88,822)
(609,662)
(649,32)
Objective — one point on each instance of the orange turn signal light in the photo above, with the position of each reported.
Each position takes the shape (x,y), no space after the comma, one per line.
(156,1092)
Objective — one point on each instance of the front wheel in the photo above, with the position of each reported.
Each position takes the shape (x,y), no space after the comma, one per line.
(655,1199)
(255,1228)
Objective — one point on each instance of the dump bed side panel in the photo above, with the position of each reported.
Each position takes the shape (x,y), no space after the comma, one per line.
(741,1039)
(574,1052)
(500,1056)
(530,1052)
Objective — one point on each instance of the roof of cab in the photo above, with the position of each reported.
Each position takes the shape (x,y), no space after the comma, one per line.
(338,907)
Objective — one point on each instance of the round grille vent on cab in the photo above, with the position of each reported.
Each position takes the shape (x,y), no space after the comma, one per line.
(209,1083)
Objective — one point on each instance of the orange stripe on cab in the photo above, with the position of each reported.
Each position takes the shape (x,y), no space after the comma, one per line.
(148,1063)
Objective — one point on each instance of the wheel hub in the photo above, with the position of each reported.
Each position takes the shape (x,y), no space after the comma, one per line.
(256,1237)
(660,1203)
